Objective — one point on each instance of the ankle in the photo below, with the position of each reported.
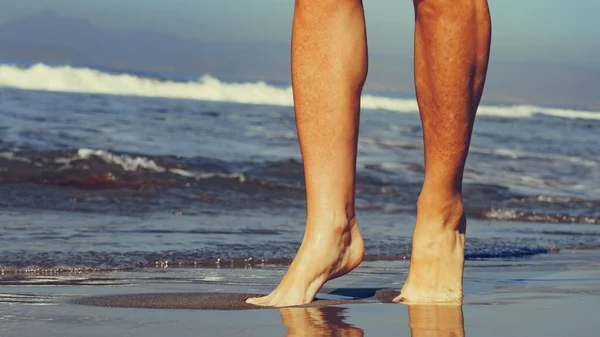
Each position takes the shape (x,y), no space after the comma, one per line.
(339,220)
(440,210)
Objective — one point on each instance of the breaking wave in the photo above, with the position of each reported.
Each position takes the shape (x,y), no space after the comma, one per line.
(207,88)
(99,169)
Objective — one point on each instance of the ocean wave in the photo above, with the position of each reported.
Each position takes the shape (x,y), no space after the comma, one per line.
(253,182)
(104,169)
(53,263)
(529,216)
(207,88)
(135,163)
(126,162)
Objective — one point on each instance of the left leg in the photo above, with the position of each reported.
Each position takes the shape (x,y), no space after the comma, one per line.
(329,67)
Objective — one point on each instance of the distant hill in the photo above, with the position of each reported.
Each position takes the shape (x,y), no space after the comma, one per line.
(50,38)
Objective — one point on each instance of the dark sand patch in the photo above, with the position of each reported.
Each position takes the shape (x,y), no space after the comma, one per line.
(386,295)
(197,301)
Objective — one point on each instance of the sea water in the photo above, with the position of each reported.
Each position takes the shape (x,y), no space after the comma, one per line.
(108,171)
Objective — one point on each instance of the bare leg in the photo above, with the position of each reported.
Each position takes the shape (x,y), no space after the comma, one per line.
(452,42)
(329,67)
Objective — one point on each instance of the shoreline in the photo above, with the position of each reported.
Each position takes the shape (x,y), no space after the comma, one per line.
(502,297)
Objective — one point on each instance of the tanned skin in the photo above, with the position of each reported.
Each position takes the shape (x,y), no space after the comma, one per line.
(329,68)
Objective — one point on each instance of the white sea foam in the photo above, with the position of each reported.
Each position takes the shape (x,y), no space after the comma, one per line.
(11,156)
(126,162)
(130,163)
(85,80)
(516,154)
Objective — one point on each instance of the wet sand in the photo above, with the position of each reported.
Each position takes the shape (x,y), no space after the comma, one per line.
(548,295)
(203,301)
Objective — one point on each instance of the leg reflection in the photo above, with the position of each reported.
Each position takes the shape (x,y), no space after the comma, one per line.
(316,322)
(436,320)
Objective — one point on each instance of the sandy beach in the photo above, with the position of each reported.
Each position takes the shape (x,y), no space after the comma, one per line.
(546,295)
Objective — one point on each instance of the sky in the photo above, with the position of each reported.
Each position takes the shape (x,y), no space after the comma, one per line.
(560,31)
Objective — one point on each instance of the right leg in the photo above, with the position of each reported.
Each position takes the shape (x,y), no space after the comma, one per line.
(329,67)
(452,43)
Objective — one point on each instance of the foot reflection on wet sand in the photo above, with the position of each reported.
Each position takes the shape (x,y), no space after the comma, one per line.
(423,321)
(313,321)
(436,320)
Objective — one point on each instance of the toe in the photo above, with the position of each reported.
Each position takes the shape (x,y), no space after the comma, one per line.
(251,300)
(263,301)
(255,300)
(399,299)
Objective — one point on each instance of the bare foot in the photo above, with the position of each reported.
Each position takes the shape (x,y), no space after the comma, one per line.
(437,260)
(326,252)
